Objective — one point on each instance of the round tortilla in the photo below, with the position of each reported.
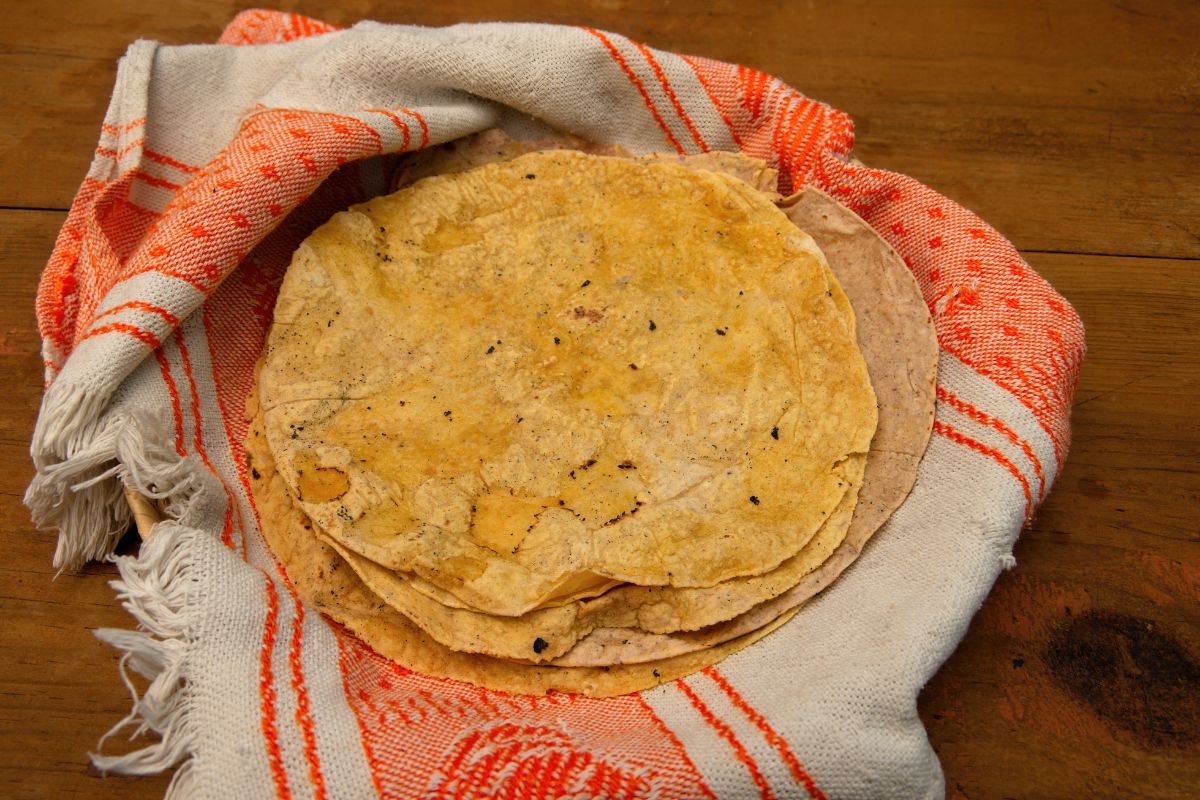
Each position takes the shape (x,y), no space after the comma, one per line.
(903,347)
(326,583)
(549,635)
(679,482)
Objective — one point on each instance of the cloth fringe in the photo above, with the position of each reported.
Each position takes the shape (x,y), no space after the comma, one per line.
(157,588)
(80,495)
(67,421)
(82,472)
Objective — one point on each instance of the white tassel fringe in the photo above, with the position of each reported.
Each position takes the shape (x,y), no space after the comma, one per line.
(66,421)
(81,494)
(157,588)
(78,490)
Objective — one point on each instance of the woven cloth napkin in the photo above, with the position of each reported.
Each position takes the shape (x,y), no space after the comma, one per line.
(214,161)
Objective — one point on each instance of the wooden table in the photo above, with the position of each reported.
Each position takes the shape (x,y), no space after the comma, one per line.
(1074,128)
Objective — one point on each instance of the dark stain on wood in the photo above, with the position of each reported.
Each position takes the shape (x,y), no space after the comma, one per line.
(1130,674)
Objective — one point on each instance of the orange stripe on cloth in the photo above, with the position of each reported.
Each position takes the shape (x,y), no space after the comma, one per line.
(662,79)
(128,126)
(674,740)
(198,439)
(241,520)
(134,208)
(399,123)
(1046,392)
(210,272)
(798,134)
(191,280)
(774,739)
(266,691)
(108,152)
(704,82)
(235,446)
(257,26)
(420,121)
(176,408)
(145,337)
(637,83)
(960,438)
(756,89)
(726,733)
(170,162)
(141,305)
(303,713)
(301,29)
(303,708)
(153,181)
(948,397)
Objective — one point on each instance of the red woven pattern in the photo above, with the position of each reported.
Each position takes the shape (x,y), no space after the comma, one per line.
(725,732)
(770,120)
(277,159)
(271,27)
(434,738)
(76,270)
(989,307)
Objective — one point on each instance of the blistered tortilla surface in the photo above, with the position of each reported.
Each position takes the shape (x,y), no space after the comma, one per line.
(325,582)
(562,370)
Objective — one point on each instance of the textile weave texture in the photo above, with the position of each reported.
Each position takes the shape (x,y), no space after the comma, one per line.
(215,161)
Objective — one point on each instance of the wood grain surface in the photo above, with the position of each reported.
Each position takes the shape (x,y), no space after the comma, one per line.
(1071,127)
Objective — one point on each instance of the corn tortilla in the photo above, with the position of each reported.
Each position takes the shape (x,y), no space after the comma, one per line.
(393,352)
(900,353)
(327,584)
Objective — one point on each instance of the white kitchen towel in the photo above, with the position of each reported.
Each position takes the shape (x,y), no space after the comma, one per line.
(214,161)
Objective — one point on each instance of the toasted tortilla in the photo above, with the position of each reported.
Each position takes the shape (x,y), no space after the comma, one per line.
(901,360)
(624,616)
(685,486)
(327,584)
(901,353)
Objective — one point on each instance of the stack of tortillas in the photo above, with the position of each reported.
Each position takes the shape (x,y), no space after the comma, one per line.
(553,418)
